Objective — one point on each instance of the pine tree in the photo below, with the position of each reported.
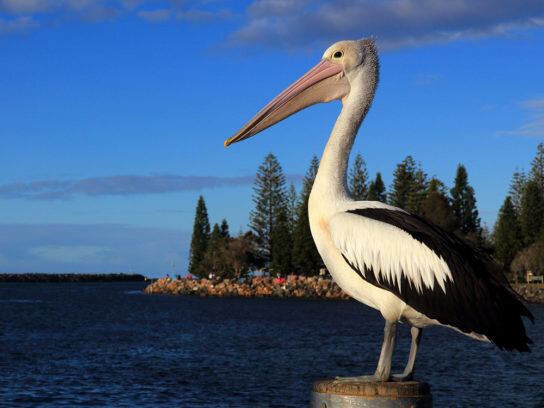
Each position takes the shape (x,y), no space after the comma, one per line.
(516,189)
(437,186)
(292,205)
(282,237)
(410,186)
(532,212)
(225,229)
(507,233)
(376,190)
(254,254)
(464,206)
(358,179)
(436,208)
(199,240)
(305,256)
(537,167)
(418,192)
(308,180)
(404,177)
(215,238)
(212,262)
(268,195)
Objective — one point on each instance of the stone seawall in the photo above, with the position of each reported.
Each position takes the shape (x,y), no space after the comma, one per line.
(293,286)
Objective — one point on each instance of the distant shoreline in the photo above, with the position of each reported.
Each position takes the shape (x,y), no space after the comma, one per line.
(70,277)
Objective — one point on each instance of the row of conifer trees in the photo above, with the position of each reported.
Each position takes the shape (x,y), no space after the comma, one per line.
(519,230)
(279,237)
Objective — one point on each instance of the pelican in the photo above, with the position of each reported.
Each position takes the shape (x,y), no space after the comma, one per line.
(396,262)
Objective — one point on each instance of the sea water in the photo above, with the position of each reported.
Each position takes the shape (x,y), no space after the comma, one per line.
(108,345)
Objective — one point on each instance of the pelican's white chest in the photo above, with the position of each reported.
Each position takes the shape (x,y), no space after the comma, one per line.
(321,209)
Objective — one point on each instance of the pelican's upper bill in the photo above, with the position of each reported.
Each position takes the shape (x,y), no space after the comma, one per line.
(325,82)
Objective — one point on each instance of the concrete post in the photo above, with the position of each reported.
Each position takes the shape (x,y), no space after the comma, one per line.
(407,394)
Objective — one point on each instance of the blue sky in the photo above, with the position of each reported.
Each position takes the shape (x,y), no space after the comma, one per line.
(113,113)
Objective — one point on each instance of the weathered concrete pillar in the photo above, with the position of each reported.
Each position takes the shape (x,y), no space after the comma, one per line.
(407,394)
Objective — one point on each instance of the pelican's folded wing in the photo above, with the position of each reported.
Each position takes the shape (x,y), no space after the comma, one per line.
(388,255)
(431,270)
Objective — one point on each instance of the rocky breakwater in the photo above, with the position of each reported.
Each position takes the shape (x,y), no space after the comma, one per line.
(531,292)
(290,287)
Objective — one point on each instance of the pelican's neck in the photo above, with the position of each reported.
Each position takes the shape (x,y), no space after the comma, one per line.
(331,181)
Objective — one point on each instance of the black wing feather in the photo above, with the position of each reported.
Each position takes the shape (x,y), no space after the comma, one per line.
(479,299)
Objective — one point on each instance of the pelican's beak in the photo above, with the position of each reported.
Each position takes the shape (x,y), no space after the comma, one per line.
(323,83)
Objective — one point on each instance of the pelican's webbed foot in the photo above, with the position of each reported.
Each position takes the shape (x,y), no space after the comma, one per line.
(361,378)
(402,377)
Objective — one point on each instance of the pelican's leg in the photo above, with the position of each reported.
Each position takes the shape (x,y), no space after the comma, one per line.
(408,373)
(383,371)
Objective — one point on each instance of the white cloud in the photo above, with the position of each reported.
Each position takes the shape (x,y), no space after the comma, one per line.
(26,13)
(156,16)
(69,253)
(99,14)
(17,24)
(18,7)
(117,185)
(204,16)
(395,23)
(25,6)
(295,24)
(534,104)
(426,79)
(122,185)
(534,127)
(275,8)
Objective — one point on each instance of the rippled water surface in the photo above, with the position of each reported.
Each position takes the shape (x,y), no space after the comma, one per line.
(84,344)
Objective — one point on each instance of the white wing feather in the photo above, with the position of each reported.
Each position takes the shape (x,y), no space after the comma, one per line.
(388,251)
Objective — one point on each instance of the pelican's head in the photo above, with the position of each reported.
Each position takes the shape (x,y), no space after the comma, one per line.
(333,78)
(354,56)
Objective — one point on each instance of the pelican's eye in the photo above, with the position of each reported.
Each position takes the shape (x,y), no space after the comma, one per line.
(338,54)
